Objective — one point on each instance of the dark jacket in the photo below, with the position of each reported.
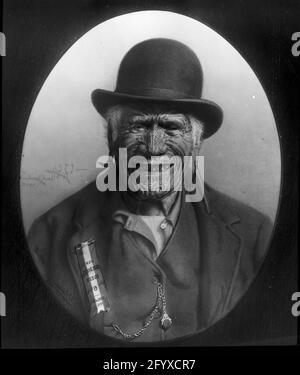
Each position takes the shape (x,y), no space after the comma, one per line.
(216,252)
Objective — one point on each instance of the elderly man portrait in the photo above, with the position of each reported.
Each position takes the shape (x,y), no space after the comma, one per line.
(164,267)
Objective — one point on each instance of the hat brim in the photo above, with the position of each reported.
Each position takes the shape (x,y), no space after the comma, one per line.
(206,111)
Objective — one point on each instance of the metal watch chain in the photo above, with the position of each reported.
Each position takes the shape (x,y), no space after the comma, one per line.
(165,321)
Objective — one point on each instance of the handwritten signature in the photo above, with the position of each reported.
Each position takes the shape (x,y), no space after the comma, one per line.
(62,172)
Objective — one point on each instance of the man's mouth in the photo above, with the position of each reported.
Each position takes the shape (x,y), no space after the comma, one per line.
(157,174)
(157,164)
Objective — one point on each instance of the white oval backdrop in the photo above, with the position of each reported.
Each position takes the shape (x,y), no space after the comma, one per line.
(65,134)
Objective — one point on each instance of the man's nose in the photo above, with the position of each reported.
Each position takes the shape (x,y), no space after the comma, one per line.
(156,141)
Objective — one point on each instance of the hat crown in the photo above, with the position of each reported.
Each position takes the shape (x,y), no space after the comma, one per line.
(161,67)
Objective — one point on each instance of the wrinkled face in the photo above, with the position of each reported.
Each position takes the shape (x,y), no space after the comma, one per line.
(154,133)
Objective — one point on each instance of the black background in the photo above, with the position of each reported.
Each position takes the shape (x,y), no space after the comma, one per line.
(37,34)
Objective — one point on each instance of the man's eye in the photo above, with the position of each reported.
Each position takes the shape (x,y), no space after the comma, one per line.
(170,126)
(138,127)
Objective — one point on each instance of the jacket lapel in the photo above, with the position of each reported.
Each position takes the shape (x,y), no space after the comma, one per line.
(220,248)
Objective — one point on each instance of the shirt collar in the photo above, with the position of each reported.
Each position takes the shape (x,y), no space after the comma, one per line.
(139,207)
(131,208)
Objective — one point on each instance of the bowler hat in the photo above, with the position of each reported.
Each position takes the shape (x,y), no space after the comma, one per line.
(162,71)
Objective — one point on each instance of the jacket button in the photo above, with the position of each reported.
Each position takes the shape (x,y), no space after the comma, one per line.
(164,224)
(165,322)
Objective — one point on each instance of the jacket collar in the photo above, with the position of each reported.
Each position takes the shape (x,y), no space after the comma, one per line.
(215,204)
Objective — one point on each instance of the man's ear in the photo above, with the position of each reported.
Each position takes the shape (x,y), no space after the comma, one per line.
(113,120)
(197,147)
(109,135)
(197,132)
